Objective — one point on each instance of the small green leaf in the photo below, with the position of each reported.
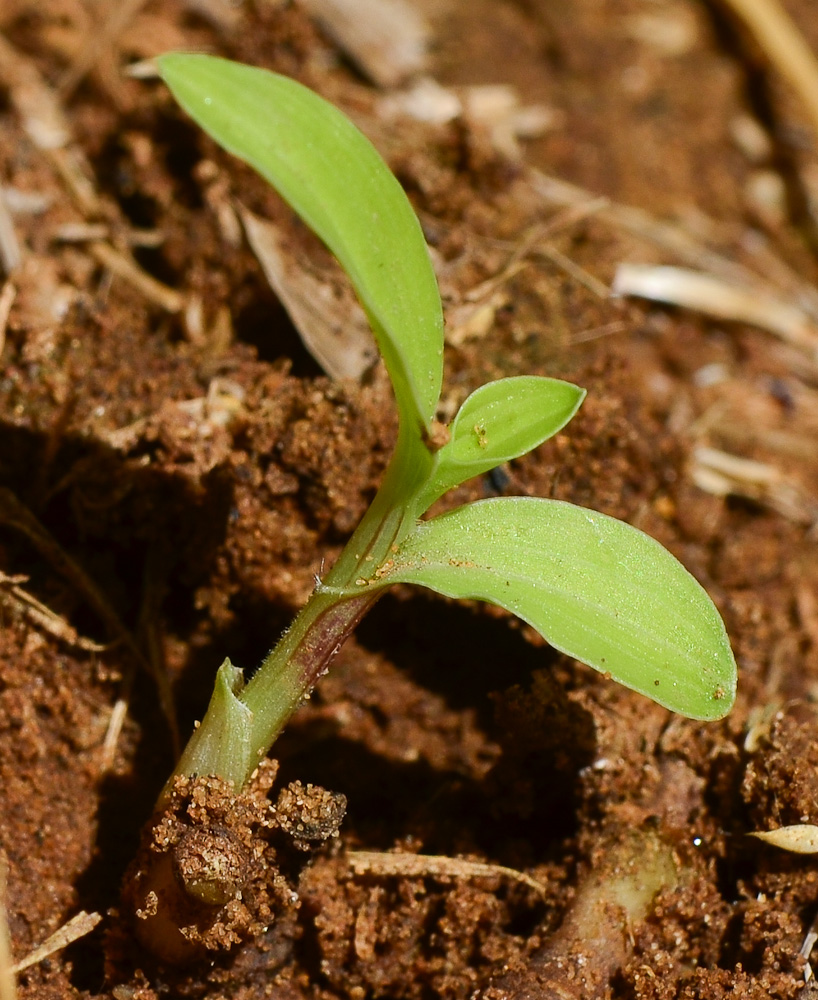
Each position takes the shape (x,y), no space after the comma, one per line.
(594,587)
(221,743)
(498,422)
(334,178)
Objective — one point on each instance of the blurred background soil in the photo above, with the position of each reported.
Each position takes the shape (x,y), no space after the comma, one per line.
(176,466)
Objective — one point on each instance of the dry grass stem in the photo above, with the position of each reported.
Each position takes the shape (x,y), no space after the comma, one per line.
(125,267)
(16,515)
(434,866)
(46,619)
(784,46)
(717,298)
(571,268)
(665,235)
(77,927)
(806,603)
(10,255)
(115,724)
(770,274)
(597,332)
(120,14)
(45,124)
(722,474)
(8,988)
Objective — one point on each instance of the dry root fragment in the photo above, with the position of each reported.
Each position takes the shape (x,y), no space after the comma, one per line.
(595,937)
(216,868)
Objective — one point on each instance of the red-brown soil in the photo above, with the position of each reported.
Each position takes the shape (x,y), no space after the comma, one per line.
(175,469)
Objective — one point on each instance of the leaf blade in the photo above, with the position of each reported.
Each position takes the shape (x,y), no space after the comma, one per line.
(594,587)
(498,422)
(333,177)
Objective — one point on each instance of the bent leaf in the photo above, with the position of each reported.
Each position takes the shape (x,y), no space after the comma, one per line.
(334,178)
(498,422)
(594,587)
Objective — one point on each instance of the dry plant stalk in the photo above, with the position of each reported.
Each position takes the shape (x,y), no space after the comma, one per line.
(12,593)
(434,866)
(784,46)
(72,930)
(722,474)
(16,515)
(119,16)
(717,298)
(773,277)
(47,127)
(8,988)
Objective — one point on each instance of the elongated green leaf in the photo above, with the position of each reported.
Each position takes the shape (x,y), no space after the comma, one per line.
(498,422)
(333,177)
(594,587)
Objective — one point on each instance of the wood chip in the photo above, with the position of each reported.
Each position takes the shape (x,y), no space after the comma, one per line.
(806,948)
(802,838)
(717,298)
(6,301)
(322,306)
(386,39)
(77,927)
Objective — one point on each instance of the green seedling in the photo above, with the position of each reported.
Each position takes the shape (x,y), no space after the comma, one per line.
(594,587)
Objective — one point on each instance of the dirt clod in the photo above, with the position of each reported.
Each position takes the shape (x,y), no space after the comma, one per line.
(208,874)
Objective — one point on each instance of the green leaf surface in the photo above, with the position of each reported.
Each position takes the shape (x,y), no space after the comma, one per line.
(334,178)
(498,422)
(594,587)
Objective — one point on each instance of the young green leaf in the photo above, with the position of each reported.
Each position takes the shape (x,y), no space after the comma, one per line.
(594,587)
(333,177)
(498,422)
